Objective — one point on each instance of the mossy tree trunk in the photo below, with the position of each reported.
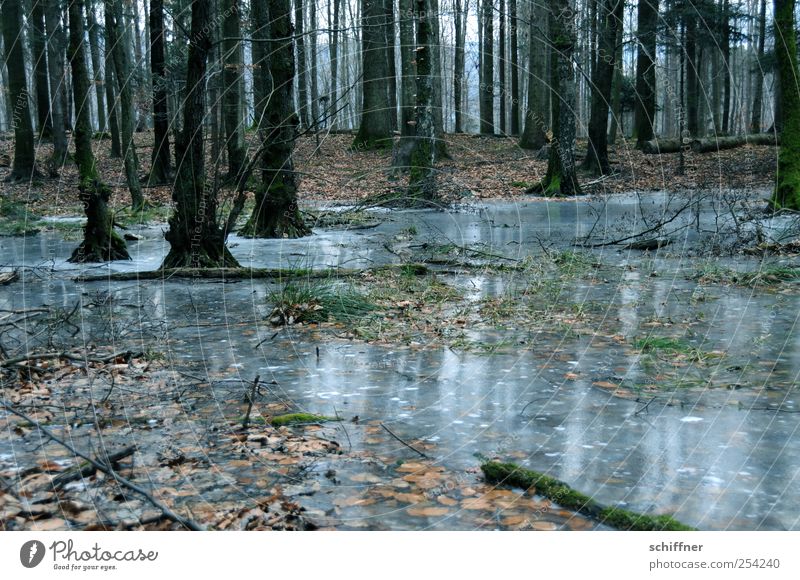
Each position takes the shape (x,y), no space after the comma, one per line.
(24,154)
(787,186)
(161,168)
(375,130)
(276,214)
(195,238)
(422,181)
(233,115)
(610,14)
(561,177)
(118,37)
(100,242)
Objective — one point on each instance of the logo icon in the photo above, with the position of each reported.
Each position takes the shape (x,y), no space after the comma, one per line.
(31,553)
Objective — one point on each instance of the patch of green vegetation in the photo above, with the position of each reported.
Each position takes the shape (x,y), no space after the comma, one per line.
(298,419)
(566,496)
(148,214)
(571,263)
(767,276)
(69,230)
(658,343)
(522,184)
(318,301)
(348,219)
(16,220)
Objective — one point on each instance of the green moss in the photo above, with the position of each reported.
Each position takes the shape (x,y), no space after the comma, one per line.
(298,418)
(16,220)
(564,495)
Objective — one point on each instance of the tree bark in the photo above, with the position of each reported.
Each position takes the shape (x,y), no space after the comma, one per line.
(313,69)
(610,14)
(408,69)
(334,102)
(391,66)
(24,165)
(536,116)
(233,116)
(561,177)
(94,44)
(758,97)
(458,64)
(421,181)
(501,49)
(645,106)
(487,68)
(276,214)
(302,79)
(726,67)
(692,77)
(787,185)
(118,38)
(100,242)
(111,101)
(161,164)
(516,97)
(44,125)
(375,131)
(195,238)
(56,64)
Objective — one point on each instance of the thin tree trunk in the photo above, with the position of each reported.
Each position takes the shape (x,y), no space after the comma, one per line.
(536,117)
(408,69)
(334,101)
(313,70)
(758,98)
(692,77)
(122,70)
(458,65)
(44,125)
(94,44)
(302,79)
(501,49)
(516,96)
(375,129)
(100,242)
(726,67)
(233,116)
(610,14)
(56,64)
(276,214)
(391,67)
(645,104)
(111,101)
(161,166)
(487,68)
(24,165)
(194,235)
(422,182)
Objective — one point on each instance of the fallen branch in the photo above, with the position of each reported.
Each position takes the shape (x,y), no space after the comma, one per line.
(414,449)
(168,513)
(88,469)
(18,361)
(564,495)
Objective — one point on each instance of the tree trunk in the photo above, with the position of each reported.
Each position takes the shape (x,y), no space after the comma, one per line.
(610,14)
(421,181)
(536,116)
(161,167)
(391,66)
(408,68)
(195,238)
(458,64)
(375,130)
(111,101)
(644,116)
(313,69)
(787,186)
(94,44)
(726,67)
(515,92)
(334,103)
(56,64)
(487,68)
(100,242)
(122,71)
(616,92)
(561,178)
(501,49)
(44,125)
(233,116)
(758,98)
(24,166)
(692,77)
(276,214)
(302,79)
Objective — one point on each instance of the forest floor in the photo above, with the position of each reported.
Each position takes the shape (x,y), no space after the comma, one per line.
(478,168)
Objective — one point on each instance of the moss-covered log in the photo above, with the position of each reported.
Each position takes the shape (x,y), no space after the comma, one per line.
(100,242)
(708,144)
(564,495)
(276,214)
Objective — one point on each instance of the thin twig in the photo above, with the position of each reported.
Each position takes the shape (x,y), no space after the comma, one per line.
(250,397)
(168,513)
(389,431)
